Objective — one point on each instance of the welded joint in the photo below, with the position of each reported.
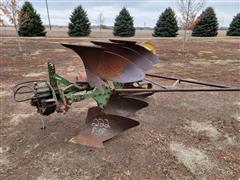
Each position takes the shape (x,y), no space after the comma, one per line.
(175,83)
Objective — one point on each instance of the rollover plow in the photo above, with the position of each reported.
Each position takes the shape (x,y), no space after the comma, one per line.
(116,80)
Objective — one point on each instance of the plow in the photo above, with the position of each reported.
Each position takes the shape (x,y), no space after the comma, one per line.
(116,78)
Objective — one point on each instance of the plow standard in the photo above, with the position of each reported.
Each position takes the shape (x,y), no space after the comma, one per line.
(116,80)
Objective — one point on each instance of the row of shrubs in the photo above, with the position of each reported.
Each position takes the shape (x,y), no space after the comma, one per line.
(166,26)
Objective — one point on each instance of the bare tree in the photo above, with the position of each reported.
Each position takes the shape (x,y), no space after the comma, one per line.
(188,10)
(221,23)
(101,21)
(10,8)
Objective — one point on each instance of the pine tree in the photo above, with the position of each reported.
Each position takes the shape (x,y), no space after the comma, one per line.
(206,25)
(234,28)
(123,25)
(166,25)
(30,23)
(79,25)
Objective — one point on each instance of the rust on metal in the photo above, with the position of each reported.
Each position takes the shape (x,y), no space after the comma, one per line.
(143,51)
(93,112)
(124,106)
(122,41)
(102,128)
(107,65)
(94,79)
(127,53)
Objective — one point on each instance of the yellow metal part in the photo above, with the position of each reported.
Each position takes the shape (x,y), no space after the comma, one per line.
(149,46)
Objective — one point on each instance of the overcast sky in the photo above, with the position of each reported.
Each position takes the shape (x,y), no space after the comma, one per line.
(143,11)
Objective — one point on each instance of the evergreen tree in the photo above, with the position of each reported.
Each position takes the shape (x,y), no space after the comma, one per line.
(206,25)
(123,25)
(166,25)
(79,25)
(234,28)
(30,23)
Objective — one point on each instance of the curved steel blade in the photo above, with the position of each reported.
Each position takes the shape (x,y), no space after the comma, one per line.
(127,53)
(102,128)
(93,112)
(123,106)
(95,80)
(107,65)
(141,50)
(122,41)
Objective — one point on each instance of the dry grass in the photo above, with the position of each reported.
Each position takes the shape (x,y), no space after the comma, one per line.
(105,33)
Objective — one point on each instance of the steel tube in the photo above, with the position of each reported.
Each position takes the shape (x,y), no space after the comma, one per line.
(178,90)
(189,81)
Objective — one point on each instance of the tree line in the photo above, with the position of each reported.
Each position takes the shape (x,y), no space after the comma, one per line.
(206,25)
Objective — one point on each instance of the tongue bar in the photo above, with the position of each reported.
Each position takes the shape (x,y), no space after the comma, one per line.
(127,53)
(143,51)
(102,128)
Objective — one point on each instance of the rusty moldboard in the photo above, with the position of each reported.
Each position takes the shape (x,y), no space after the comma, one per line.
(133,56)
(101,128)
(143,51)
(107,65)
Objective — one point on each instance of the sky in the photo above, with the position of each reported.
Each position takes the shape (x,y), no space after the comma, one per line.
(144,12)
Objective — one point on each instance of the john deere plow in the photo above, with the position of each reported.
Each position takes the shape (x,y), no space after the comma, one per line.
(116,80)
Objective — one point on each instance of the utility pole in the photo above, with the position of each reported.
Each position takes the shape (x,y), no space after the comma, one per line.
(48,15)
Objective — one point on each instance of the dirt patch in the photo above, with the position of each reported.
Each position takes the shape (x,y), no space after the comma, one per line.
(4,149)
(5,93)
(159,65)
(237,117)
(212,61)
(238,104)
(178,64)
(203,127)
(214,57)
(200,62)
(205,52)
(36,53)
(71,68)
(194,159)
(18,118)
(3,160)
(60,50)
(34,74)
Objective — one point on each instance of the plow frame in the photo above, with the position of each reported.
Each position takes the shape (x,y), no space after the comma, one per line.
(72,92)
(173,87)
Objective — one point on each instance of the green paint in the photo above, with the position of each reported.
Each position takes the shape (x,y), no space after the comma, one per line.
(51,73)
(118,85)
(62,80)
(100,97)
(62,86)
